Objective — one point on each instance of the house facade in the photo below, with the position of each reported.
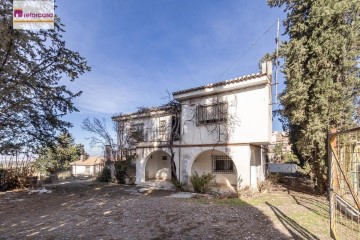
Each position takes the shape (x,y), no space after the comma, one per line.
(221,128)
(87,167)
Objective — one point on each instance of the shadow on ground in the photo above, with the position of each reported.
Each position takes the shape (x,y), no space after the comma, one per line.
(90,210)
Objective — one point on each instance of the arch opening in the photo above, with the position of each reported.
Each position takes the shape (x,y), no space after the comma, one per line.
(158,166)
(217,163)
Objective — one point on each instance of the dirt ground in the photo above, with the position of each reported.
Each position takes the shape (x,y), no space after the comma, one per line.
(92,210)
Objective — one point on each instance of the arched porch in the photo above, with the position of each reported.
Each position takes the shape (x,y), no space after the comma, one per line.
(158,166)
(219,164)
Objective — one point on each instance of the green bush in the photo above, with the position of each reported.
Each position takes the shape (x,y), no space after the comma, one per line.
(121,171)
(105,175)
(179,186)
(201,184)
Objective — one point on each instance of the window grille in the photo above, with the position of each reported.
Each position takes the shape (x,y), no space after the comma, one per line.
(175,127)
(209,114)
(222,164)
(137,131)
(162,130)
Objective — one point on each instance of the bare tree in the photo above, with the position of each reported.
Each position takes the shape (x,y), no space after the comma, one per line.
(101,136)
(118,153)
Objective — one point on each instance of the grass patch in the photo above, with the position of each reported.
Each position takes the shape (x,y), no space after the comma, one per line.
(274,199)
(304,216)
(233,201)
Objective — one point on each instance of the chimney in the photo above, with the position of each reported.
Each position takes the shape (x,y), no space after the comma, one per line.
(82,157)
(266,67)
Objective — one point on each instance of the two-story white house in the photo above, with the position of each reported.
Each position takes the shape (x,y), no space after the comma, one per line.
(222,130)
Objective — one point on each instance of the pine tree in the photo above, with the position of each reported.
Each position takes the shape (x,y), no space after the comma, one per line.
(58,157)
(321,68)
(33,100)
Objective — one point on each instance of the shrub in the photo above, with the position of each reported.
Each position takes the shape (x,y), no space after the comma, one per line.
(179,186)
(306,170)
(17,178)
(121,168)
(201,184)
(65,175)
(105,175)
(273,177)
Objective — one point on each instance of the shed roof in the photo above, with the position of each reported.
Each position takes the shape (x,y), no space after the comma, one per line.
(91,161)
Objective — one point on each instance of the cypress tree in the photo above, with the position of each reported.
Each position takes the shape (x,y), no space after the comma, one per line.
(321,68)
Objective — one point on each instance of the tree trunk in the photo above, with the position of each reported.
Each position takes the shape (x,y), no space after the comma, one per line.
(320,180)
(173,169)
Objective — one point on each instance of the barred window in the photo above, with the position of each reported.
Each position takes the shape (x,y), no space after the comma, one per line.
(208,114)
(137,131)
(162,130)
(222,164)
(175,128)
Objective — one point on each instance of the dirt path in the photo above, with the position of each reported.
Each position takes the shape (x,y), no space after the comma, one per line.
(90,210)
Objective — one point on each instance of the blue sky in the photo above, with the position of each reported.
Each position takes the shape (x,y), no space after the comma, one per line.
(141,49)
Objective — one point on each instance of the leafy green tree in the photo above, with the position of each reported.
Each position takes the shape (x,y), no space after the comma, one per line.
(33,99)
(59,157)
(289,157)
(278,150)
(321,67)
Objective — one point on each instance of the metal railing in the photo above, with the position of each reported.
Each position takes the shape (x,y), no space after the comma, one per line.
(344,176)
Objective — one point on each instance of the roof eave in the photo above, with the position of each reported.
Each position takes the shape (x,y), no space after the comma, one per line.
(230,85)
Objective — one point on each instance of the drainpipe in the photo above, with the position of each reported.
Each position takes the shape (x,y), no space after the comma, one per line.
(250,164)
(180,149)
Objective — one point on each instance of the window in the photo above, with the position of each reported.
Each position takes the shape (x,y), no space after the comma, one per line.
(222,164)
(87,169)
(164,158)
(175,126)
(137,132)
(162,130)
(208,114)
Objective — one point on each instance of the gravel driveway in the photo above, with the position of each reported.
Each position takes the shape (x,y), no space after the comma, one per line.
(91,210)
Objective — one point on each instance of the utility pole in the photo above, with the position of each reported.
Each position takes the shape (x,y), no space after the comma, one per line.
(277,40)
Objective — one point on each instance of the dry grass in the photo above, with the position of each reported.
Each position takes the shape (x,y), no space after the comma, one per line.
(92,210)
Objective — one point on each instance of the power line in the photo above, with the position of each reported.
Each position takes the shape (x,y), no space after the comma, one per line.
(247,49)
(264,33)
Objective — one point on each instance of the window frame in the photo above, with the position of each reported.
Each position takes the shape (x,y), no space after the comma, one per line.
(227,163)
(162,130)
(137,131)
(212,113)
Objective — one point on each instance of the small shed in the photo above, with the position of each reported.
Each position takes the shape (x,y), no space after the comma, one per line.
(88,167)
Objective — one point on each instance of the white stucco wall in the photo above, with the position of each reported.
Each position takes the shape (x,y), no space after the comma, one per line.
(157,168)
(203,164)
(80,170)
(240,155)
(249,117)
(249,123)
(151,127)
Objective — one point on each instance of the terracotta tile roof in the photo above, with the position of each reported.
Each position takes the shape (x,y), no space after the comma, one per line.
(145,112)
(226,82)
(91,161)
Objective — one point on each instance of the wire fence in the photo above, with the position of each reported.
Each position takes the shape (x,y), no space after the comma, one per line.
(344,174)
